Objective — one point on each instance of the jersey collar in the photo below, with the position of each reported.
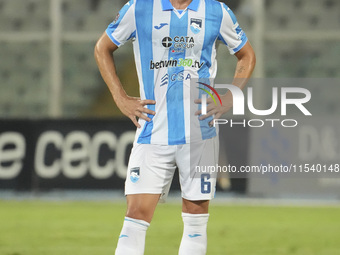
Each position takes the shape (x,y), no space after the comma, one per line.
(167,6)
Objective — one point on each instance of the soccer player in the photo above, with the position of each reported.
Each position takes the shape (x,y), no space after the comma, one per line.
(174,43)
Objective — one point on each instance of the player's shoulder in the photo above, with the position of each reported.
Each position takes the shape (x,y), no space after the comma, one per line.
(131,2)
(142,3)
(217,6)
(128,4)
(214,2)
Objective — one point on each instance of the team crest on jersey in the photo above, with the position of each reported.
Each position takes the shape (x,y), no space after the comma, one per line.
(196,25)
(134,174)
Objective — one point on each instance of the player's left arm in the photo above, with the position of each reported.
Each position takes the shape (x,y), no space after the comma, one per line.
(245,65)
(232,35)
(246,61)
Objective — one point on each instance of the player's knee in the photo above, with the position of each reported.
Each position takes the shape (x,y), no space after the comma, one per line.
(195,207)
(196,210)
(139,213)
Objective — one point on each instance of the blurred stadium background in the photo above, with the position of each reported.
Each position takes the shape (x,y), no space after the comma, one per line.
(62,138)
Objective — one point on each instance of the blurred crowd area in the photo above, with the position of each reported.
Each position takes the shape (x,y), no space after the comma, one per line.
(25,51)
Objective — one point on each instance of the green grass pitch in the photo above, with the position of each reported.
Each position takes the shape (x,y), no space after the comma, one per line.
(72,228)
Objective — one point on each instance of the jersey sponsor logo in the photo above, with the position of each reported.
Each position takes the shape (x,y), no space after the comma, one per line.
(196,25)
(134,174)
(178,43)
(161,26)
(240,32)
(180,76)
(167,42)
(121,236)
(188,62)
(165,80)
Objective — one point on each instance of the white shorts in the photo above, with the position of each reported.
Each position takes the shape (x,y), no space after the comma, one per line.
(151,169)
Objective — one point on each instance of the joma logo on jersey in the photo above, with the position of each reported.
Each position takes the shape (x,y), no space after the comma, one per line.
(179,42)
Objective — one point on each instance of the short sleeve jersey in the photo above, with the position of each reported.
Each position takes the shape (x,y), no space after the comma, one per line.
(171,48)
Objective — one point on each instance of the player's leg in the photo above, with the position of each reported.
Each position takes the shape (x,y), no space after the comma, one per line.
(140,209)
(198,188)
(150,172)
(195,207)
(195,219)
(142,206)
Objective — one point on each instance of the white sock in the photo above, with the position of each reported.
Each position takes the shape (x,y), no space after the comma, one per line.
(194,240)
(132,237)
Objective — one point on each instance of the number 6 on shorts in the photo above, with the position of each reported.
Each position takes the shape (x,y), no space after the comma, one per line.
(205,184)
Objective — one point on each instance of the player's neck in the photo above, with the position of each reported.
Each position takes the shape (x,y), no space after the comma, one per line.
(180,4)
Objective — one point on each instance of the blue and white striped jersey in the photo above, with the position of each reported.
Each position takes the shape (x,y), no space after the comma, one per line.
(172,47)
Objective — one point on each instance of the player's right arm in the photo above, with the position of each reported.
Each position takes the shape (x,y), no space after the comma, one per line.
(132,107)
